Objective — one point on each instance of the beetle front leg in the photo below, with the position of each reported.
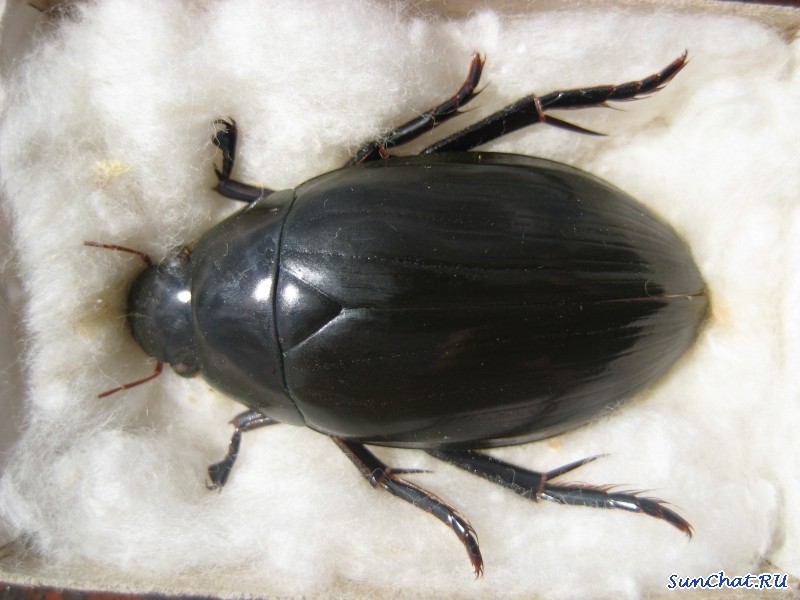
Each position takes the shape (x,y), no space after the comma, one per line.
(537,486)
(380,475)
(219,472)
(225,139)
(531,109)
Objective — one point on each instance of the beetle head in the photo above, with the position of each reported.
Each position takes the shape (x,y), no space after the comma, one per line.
(160,312)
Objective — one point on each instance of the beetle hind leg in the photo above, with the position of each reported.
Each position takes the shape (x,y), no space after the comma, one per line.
(531,109)
(380,475)
(537,486)
(225,139)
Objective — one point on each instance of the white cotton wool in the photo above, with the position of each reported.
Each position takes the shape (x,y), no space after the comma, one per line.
(105,136)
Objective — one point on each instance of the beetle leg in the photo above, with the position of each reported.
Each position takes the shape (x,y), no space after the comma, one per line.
(426,121)
(537,486)
(380,475)
(531,109)
(225,139)
(252,419)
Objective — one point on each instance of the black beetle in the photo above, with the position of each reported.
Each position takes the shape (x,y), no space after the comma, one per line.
(447,301)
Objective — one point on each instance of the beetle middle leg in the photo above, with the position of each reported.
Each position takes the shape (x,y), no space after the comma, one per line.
(538,486)
(380,475)
(426,121)
(531,109)
(219,472)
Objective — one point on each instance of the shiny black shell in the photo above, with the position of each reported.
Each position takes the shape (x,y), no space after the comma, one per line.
(465,300)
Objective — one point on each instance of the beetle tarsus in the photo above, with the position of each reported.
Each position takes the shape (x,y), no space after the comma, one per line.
(531,109)
(380,475)
(219,472)
(602,497)
(536,486)
(225,139)
(426,121)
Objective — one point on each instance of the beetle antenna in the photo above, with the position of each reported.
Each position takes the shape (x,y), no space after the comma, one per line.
(147,260)
(127,386)
(159,365)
